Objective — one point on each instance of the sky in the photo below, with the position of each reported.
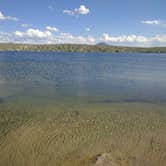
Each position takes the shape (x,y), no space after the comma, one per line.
(117,22)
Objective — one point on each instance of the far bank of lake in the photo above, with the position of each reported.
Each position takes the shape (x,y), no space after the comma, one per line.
(79,48)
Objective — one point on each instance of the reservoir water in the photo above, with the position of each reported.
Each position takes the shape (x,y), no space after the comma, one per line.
(82,109)
(92,77)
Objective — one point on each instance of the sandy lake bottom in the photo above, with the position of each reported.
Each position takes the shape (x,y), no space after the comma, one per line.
(79,134)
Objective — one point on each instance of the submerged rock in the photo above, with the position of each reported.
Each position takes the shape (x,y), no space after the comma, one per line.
(104,160)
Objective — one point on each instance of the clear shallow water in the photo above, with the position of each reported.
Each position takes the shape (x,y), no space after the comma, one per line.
(71,108)
(89,77)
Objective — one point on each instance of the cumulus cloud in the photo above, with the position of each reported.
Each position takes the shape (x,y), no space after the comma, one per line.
(52,29)
(19,34)
(135,39)
(6,37)
(155,22)
(3,17)
(82,10)
(125,38)
(151,22)
(69,38)
(47,36)
(160,38)
(34,33)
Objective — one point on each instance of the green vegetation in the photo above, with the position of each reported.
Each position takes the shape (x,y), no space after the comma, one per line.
(79,48)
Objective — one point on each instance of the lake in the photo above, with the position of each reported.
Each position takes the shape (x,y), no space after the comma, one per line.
(70,108)
(95,77)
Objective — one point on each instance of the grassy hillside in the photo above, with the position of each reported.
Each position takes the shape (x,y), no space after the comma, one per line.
(78,48)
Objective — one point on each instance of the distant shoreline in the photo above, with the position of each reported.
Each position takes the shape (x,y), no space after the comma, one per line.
(79,48)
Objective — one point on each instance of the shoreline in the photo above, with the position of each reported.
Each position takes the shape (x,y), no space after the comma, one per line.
(80,48)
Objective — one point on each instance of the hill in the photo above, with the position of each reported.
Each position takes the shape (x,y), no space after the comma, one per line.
(102,44)
(78,48)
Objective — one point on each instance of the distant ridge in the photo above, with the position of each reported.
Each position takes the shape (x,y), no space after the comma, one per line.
(100,47)
(102,44)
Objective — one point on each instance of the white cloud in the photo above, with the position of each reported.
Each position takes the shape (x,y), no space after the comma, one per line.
(68,12)
(91,39)
(135,39)
(3,17)
(34,33)
(52,29)
(37,36)
(25,25)
(6,37)
(151,22)
(87,29)
(125,38)
(160,38)
(19,34)
(155,22)
(38,33)
(82,10)
(69,38)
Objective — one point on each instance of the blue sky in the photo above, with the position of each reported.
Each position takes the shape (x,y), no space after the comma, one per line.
(118,22)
